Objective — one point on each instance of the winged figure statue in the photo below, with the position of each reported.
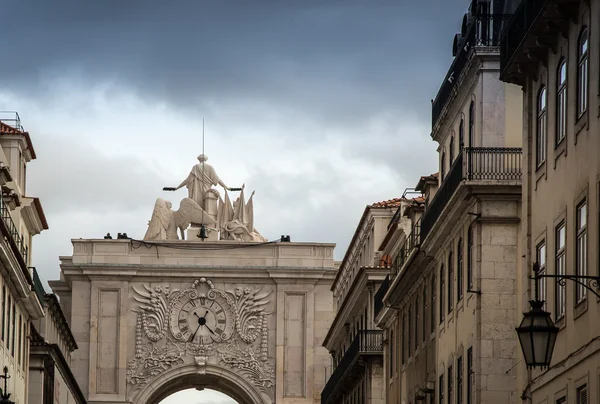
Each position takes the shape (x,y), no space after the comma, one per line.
(164,222)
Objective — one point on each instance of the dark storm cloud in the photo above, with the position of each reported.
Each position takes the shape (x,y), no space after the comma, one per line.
(339,61)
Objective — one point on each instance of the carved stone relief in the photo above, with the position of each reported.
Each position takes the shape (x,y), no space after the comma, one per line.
(203,325)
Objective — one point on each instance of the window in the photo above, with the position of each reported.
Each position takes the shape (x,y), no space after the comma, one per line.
(19,336)
(417,320)
(441,389)
(561,102)
(581,258)
(432,308)
(559,302)
(542,127)
(391,354)
(470,258)
(459,380)
(540,256)
(472,124)
(8,309)
(461,133)
(14,328)
(562,400)
(443,166)
(450,380)
(410,327)
(459,271)
(3,309)
(450,286)
(582,72)
(582,394)
(424,313)
(442,287)
(469,375)
(404,339)
(451,151)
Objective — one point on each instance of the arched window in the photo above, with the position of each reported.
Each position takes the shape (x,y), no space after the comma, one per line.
(459,270)
(561,101)
(582,72)
(451,160)
(443,166)
(442,292)
(450,283)
(472,124)
(461,134)
(542,126)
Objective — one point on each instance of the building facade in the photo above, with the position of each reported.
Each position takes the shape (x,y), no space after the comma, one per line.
(21,217)
(551,50)
(454,290)
(353,341)
(51,380)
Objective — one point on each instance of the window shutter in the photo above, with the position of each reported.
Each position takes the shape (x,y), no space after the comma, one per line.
(582,395)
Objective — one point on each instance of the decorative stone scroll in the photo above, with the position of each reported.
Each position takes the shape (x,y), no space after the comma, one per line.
(203,325)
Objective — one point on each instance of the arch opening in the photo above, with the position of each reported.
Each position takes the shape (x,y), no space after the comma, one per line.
(194,396)
(188,377)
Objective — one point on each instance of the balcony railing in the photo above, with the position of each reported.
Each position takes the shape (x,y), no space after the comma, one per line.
(516,30)
(12,230)
(413,240)
(378,299)
(38,287)
(483,31)
(366,342)
(473,164)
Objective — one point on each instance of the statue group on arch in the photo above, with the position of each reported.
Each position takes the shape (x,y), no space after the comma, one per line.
(204,206)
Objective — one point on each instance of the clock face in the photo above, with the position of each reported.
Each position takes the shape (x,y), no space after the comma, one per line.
(202,320)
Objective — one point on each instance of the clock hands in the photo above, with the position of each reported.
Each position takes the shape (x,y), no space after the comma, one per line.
(194,335)
(201,322)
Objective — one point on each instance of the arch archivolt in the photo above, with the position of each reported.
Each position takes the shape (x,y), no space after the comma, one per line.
(189,376)
(201,335)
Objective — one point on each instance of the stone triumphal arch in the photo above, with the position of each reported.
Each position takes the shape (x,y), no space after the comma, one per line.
(229,311)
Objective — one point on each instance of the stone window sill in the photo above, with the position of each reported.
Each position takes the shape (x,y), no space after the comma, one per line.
(561,322)
(560,149)
(582,123)
(580,308)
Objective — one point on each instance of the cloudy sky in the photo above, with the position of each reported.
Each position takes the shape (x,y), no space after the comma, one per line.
(321,106)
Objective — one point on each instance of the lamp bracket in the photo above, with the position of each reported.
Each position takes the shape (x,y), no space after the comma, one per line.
(591,283)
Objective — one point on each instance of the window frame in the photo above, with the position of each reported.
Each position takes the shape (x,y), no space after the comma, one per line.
(441,388)
(541,255)
(410,331)
(442,292)
(559,269)
(472,124)
(578,394)
(459,380)
(424,319)
(561,102)
(459,270)
(432,321)
(581,250)
(450,384)
(541,150)
(451,151)
(417,321)
(450,282)
(470,249)
(469,374)
(583,71)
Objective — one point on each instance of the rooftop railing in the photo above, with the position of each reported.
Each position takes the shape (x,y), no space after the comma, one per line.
(483,31)
(412,241)
(9,224)
(494,164)
(366,342)
(378,299)
(517,29)
(38,287)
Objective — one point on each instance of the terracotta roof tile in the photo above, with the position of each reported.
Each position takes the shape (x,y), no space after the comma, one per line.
(9,130)
(390,203)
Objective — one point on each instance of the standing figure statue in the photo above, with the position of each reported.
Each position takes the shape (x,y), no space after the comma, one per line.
(200,181)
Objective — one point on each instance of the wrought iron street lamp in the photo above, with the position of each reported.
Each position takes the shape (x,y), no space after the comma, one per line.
(537,333)
(4,396)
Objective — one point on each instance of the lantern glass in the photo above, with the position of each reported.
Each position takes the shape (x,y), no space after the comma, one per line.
(537,336)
